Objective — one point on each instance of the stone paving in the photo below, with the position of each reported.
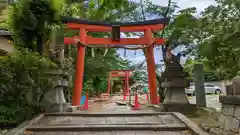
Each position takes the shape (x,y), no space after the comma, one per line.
(110,106)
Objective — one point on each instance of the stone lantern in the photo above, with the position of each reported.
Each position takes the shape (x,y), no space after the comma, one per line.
(174,84)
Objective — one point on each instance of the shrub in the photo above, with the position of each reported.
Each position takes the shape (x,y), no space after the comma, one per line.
(22,85)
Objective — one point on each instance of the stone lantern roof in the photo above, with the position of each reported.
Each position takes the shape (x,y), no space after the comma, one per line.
(6,33)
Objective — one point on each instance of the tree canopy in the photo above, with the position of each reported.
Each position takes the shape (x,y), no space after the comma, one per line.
(219,28)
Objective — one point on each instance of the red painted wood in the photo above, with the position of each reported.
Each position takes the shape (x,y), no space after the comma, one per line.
(119,70)
(122,42)
(152,84)
(97,28)
(109,84)
(120,75)
(127,82)
(77,93)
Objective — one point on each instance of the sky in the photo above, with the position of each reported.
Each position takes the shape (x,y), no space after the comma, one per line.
(199,4)
(139,57)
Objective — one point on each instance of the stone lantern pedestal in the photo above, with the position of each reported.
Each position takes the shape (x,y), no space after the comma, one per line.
(230,113)
(54,100)
(175,97)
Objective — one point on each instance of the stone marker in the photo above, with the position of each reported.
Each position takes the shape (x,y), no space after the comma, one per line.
(199,85)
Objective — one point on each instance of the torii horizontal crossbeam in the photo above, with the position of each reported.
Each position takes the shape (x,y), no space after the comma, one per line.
(121,75)
(108,41)
(95,28)
(99,26)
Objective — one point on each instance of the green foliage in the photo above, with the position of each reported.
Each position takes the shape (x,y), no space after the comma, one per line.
(22,85)
(31,22)
(219,36)
(4,18)
(140,76)
(106,10)
(181,29)
(209,75)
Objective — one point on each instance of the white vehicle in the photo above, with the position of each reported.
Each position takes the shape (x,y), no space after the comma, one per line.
(209,89)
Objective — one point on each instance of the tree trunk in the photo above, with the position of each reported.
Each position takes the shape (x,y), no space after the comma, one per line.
(40,44)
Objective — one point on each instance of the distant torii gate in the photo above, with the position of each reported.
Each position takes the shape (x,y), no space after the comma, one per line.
(147,41)
(126,73)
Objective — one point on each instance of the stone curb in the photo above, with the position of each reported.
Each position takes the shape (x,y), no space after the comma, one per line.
(172,127)
(22,127)
(107,114)
(230,99)
(175,107)
(191,125)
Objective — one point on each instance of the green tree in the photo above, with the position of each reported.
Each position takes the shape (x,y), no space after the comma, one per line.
(4,18)
(218,36)
(31,22)
(209,74)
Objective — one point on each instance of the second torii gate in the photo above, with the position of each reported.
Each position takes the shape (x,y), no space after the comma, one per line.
(126,73)
(147,42)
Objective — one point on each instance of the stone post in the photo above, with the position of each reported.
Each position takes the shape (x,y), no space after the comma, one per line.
(199,85)
(230,113)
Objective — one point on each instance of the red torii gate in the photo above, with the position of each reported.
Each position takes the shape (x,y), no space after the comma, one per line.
(147,41)
(126,73)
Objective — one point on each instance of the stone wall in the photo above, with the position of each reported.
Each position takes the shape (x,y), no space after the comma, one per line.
(230,118)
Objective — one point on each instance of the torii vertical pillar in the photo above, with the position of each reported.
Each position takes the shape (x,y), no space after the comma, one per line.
(109,83)
(152,83)
(77,93)
(126,85)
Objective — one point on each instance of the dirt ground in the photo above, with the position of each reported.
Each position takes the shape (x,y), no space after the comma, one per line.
(205,120)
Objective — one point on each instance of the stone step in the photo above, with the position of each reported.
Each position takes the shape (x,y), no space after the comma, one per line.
(109,114)
(109,127)
(133,132)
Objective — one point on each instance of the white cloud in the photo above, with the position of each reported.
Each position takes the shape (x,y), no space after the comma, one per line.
(199,4)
